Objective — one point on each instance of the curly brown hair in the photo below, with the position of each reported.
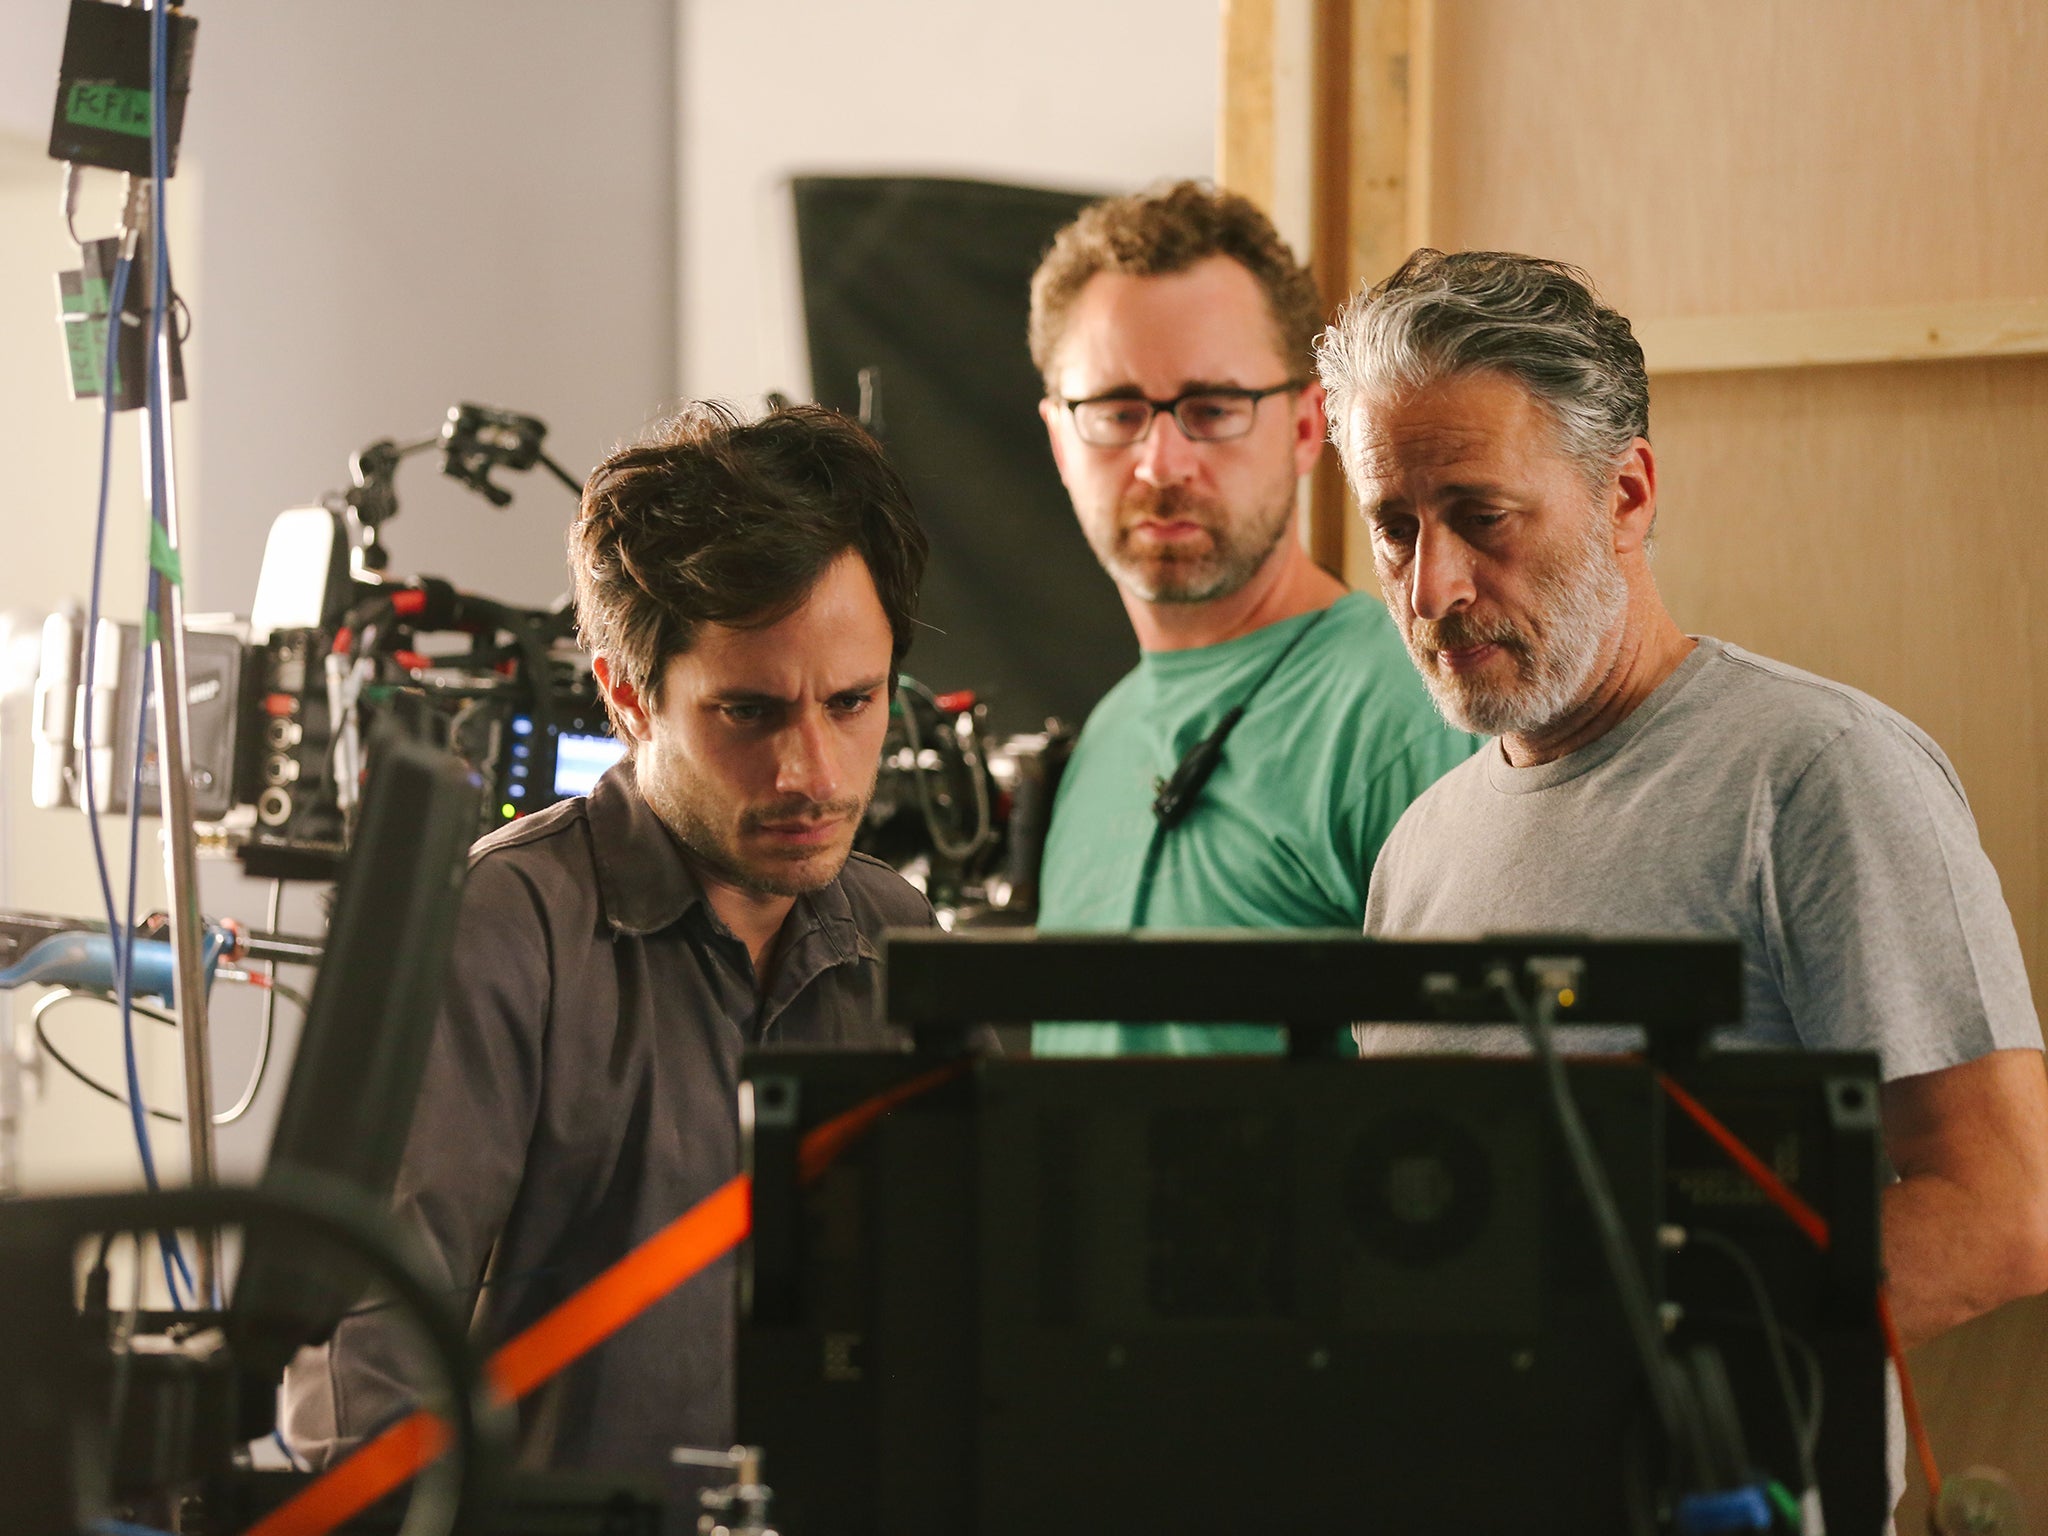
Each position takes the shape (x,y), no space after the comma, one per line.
(1166,230)
(713,519)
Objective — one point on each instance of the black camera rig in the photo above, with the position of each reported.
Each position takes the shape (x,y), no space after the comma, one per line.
(285,702)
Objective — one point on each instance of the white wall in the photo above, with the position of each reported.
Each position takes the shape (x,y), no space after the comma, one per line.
(1080,94)
(384,208)
(411,205)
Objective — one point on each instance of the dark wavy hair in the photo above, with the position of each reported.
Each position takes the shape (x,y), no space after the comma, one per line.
(713,519)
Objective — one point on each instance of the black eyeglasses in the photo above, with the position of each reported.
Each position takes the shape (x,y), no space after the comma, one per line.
(1203,415)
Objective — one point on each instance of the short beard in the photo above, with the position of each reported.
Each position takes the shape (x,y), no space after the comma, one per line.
(1578,604)
(714,850)
(1236,550)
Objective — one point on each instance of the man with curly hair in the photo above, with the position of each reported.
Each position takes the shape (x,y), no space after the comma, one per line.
(1184,303)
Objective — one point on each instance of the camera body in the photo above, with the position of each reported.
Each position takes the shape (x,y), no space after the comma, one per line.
(283,705)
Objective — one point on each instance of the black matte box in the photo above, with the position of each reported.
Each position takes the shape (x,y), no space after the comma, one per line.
(1194,1296)
(101,116)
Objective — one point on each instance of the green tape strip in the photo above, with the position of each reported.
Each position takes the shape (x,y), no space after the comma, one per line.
(162,558)
(1788,1506)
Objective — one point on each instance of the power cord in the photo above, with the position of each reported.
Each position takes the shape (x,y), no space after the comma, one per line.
(1804,1420)
(1677,1417)
(56,997)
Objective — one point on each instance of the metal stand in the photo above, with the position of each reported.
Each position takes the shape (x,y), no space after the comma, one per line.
(174,730)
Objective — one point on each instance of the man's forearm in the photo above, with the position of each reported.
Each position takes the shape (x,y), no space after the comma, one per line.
(1966,1226)
(1950,1255)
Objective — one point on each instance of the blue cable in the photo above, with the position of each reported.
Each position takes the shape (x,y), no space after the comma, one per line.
(118,937)
(290,1455)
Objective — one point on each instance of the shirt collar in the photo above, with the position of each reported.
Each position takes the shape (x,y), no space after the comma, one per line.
(643,879)
(646,884)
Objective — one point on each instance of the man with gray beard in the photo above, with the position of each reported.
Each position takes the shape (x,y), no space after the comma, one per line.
(1185,304)
(1493,418)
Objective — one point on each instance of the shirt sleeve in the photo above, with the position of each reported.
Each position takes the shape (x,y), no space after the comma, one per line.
(464,1158)
(1883,917)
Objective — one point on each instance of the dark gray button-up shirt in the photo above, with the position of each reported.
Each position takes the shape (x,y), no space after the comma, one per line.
(579,1096)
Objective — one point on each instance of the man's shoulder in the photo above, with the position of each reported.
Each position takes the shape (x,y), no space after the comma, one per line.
(547,854)
(1783,717)
(881,898)
(1781,692)
(560,831)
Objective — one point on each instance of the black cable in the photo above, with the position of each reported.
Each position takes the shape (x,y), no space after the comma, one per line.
(63,994)
(117,1391)
(1148,874)
(1175,795)
(561,474)
(57,995)
(1681,1430)
(310,1207)
(1805,1423)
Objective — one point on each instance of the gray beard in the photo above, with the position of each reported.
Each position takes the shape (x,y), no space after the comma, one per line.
(1580,606)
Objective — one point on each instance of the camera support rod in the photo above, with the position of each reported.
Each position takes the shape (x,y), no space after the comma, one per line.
(174,734)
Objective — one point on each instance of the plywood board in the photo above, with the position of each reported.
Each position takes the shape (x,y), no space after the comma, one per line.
(1765,155)
(1903,333)
(1244,137)
(1986,1386)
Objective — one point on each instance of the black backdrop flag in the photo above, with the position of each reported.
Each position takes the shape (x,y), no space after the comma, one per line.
(926,281)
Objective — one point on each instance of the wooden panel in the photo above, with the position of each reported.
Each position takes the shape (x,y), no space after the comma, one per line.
(1378,104)
(1339,209)
(1882,526)
(1906,333)
(1703,158)
(1987,1390)
(1368,134)
(1244,142)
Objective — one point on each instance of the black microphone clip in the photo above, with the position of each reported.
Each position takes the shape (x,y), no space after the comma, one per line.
(1177,795)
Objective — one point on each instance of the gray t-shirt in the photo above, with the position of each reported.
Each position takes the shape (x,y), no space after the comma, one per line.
(1742,798)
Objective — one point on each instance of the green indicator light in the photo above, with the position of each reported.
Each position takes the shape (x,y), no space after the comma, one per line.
(107,107)
(509,812)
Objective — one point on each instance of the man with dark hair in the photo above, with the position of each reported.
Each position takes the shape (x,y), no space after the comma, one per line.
(1184,303)
(1493,416)
(746,590)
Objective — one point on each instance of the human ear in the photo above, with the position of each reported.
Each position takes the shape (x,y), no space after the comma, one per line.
(1311,427)
(625,699)
(1634,497)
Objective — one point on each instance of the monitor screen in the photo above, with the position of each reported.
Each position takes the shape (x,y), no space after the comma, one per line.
(580,761)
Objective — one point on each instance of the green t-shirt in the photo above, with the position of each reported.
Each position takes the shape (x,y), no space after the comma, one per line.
(1329,753)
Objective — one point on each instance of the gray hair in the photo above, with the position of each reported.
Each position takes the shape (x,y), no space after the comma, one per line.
(1538,322)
